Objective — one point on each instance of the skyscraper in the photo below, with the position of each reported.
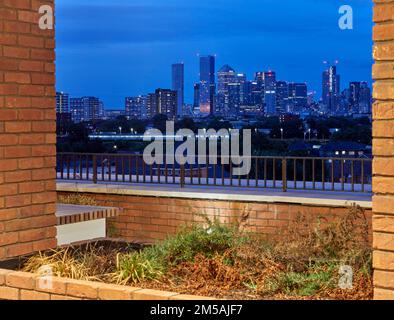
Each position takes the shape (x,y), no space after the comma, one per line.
(207,84)
(178,85)
(282,97)
(270,92)
(62,102)
(226,77)
(298,97)
(359,98)
(196,104)
(331,90)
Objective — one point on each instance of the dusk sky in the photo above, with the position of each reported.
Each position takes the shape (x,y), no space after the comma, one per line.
(117,48)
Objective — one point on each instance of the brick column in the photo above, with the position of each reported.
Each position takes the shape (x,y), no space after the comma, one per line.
(27,130)
(383,145)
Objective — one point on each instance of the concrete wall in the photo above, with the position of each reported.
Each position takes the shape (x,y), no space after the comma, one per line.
(27,130)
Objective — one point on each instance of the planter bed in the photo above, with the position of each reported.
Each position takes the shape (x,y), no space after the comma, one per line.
(18,285)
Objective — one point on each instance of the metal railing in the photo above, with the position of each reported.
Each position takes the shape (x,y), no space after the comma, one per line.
(283,173)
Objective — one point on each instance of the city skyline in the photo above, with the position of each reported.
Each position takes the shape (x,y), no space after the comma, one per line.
(261,36)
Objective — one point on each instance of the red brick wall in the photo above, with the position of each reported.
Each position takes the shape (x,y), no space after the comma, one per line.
(148,219)
(383,145)
(27,130)
(26,286)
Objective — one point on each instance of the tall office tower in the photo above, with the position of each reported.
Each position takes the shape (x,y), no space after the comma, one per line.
(178,85)
(246,93)
(62,102)
(77,110)
(365,102)
(359,98)
(234,99)
(244,87)
(259,79)
(163,101)
(226,76)
(257,97)
(207,84)
(354,97)
(270,92)
(282,97)
(135,107)
(298,97)
(331,89)
(196,104)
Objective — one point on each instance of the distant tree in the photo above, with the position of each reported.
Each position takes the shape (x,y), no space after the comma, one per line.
(291,130)
(159,122)
(217,123)
(360,134)
(186,123)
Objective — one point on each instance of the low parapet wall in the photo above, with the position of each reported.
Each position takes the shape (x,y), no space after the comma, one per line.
(151,218)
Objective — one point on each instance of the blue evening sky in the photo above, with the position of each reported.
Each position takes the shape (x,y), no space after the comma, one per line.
(117,48)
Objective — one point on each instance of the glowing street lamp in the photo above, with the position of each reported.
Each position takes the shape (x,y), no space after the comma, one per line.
(281,133)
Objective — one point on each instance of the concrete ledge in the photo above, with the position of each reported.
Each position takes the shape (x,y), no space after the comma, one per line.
(303,197)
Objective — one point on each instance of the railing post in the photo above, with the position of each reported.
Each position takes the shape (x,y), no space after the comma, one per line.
(284,175)
(182,176)
(94,169)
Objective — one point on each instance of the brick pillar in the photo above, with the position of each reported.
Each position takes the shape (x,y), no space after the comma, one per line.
(383,145)
(27,130)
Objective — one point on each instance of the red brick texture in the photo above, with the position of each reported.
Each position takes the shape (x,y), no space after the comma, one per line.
(149,219)
(383,145)
(27,130)
(27,286)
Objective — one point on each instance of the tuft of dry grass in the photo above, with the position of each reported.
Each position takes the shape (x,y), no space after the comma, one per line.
(94,262)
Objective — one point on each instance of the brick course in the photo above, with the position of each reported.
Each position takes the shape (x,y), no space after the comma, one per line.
(27,130)
(149,219)
(16,285)
(383,146)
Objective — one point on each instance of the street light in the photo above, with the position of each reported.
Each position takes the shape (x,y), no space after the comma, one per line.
(120,130)
(131,130)
(281,133)
(309,134)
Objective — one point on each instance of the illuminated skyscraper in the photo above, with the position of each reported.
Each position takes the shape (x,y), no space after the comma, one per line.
(331,90)
(207,84)
(359,98)
(178,85)
(196,104)
(282,97)
(270,92)
(226,77)
(298,97)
